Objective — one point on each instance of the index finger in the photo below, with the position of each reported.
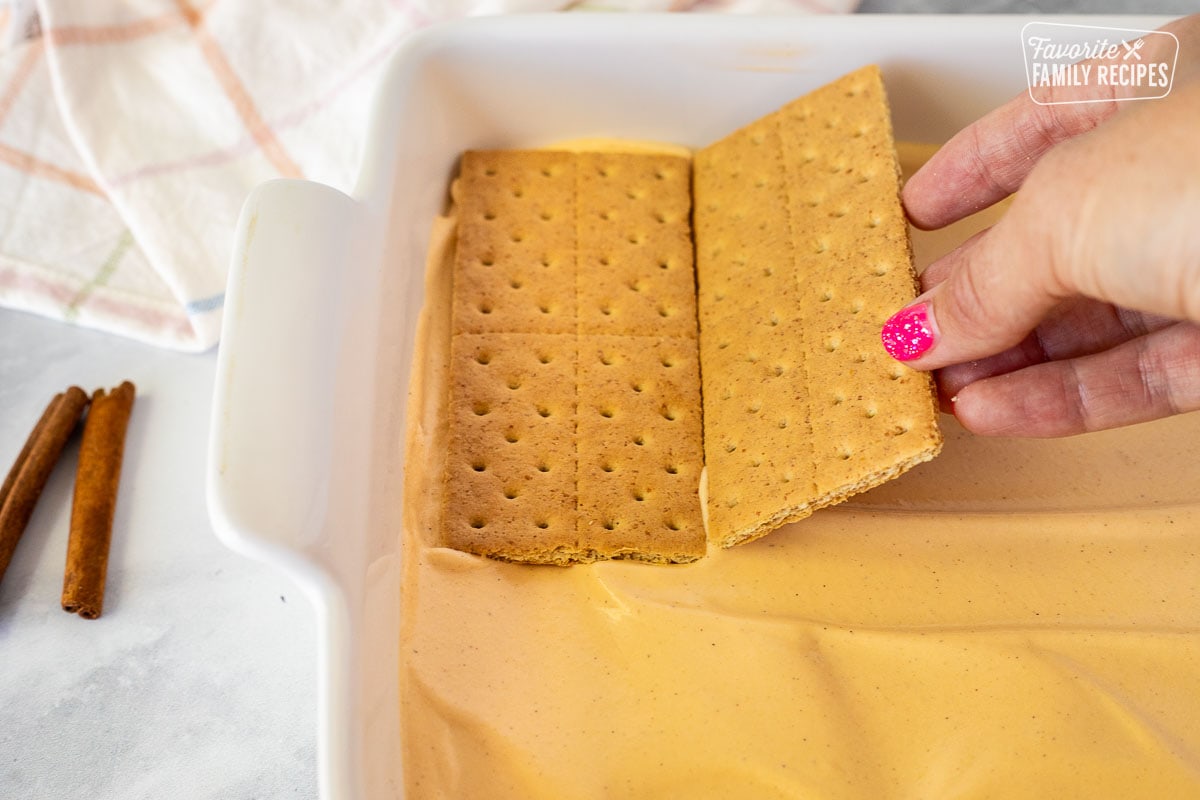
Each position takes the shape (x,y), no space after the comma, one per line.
(990,158)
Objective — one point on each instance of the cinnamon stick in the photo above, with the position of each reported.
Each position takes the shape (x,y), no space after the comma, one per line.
(96,481)
(27,478)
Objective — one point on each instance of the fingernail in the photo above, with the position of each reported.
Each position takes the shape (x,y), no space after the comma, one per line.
(908,333)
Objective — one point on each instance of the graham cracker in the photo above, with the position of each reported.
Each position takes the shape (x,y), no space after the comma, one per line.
(635,246)
(640,452)
(587,257)
(510,471)
(516,243)
(802,252)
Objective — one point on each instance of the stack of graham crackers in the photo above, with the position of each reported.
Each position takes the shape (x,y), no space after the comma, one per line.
(604,353)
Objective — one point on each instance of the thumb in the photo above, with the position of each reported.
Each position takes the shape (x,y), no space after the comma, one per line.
(997,288)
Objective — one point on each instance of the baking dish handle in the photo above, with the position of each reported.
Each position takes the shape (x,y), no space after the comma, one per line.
(272,436)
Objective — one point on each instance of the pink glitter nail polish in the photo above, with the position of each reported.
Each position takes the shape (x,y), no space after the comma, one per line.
(908,333)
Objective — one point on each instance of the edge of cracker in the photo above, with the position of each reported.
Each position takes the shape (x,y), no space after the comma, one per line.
(839,495)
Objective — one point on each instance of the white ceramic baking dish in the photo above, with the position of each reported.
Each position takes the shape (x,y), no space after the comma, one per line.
(306,455)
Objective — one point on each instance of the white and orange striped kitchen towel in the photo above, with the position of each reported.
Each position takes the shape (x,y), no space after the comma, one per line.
(132,130)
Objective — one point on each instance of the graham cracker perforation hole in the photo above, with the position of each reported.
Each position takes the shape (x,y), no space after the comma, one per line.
(481,409)
(608,466)
(543,524)
(518,193)
(881,270)
(487,261)
(674,525)
(544,357)
(489,215)
(510,493)
(478,466)
(543,412)
(607,412)
(516,283)
(477,523)
(485,307)
(543,467)
(639,439)
(514,383)
(483,357)
(671,469)
(511,437)
(669,414)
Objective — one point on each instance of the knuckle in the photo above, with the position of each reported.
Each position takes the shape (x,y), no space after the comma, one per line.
(970,302)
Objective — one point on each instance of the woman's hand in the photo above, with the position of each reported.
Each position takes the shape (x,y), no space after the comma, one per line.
(1077,311)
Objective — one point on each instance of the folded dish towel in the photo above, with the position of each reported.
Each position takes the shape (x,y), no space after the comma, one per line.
(132,130)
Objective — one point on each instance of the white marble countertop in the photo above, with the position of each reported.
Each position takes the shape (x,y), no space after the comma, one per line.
(199,679)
